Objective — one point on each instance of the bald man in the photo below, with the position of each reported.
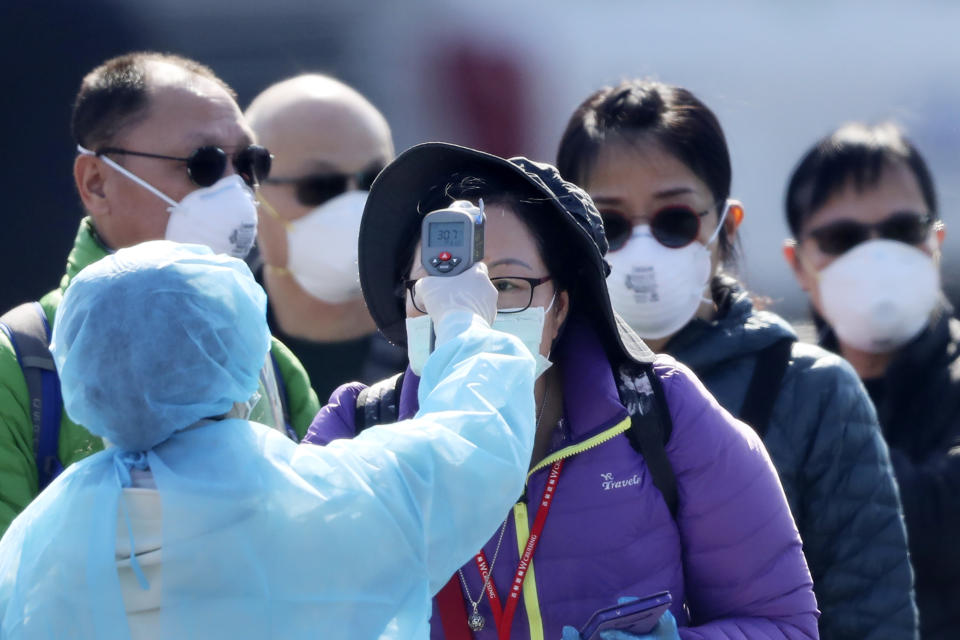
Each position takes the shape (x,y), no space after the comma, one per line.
(329,143)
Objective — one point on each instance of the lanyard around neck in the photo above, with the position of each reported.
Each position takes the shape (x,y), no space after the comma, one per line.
(503,614)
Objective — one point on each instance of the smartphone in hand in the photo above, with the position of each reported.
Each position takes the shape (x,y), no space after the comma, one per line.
(637,617)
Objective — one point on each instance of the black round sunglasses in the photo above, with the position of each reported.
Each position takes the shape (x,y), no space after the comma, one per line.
(207,164)
(674,226)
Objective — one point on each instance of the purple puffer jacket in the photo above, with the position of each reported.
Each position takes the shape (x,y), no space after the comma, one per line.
(732,560)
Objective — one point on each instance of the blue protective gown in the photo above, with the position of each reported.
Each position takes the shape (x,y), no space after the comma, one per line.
(263,538)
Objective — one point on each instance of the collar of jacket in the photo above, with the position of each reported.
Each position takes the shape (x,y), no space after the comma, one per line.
(591,403)
(88,247)
(915,367)
(737,330)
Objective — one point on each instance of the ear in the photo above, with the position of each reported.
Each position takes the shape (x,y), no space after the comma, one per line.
(941,233)
(790,255)
(734,217)
(89,176)
(561,309)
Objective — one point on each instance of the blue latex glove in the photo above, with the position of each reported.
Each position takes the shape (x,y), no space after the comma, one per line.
(666,629)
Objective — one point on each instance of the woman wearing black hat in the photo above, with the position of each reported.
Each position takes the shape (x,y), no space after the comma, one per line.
(648,484)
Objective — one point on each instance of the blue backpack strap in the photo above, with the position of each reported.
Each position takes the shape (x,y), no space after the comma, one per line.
(29,332)
(284,403)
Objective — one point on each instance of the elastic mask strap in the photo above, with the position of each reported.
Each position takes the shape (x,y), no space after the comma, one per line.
(140,181)
(273,212)
(723,216)
(713,238)
(123,461)
(545,311)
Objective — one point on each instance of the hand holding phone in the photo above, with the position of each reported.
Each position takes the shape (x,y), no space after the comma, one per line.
(636,618)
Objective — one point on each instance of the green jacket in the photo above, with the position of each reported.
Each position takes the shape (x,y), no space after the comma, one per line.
(18,470)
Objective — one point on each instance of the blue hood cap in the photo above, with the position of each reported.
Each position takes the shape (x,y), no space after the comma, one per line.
(156,337)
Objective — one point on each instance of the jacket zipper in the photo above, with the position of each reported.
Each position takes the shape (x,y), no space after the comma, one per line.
(531,601)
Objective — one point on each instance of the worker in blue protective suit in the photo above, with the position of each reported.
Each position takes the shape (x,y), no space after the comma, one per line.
(200,524)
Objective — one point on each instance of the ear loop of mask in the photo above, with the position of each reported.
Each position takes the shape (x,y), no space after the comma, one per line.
(713,237)
(272,212)
(545,311)
(140,181)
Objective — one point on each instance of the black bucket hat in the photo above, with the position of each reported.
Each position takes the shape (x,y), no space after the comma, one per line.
(392,217)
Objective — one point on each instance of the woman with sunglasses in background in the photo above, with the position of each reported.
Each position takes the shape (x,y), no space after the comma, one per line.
(639,482)
(863,211)
(655,161)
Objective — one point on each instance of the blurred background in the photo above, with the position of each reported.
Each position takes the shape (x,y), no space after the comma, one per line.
(503,76)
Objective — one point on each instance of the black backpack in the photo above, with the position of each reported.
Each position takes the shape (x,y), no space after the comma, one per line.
(649,431)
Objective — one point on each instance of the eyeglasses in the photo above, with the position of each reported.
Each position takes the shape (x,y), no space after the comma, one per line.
(514,294)
(207,164)
(315,189)
(674,226)
(839,237)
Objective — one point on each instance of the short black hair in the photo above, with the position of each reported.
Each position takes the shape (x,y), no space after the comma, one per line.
(668,115)
(855,152)
(114,95)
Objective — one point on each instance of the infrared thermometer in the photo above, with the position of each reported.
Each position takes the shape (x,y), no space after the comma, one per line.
(451,239)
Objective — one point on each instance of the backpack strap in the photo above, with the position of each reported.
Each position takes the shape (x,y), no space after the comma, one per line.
(29,332)
(650,428)
(771,366)
(379,403)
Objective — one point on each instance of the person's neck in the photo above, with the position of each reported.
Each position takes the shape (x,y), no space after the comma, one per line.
(867,365)
(548,394)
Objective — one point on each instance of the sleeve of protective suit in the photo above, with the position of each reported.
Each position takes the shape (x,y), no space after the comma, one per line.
(301,398)
(447,476)
(853,530)
(746,576)
(18,471)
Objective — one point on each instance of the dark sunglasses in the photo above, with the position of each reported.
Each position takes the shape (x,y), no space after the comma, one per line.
(207,164)
(839,237)
(315,189)
(675,227)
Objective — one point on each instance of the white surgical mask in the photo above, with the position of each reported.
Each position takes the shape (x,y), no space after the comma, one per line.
(656,289)
(527,325)
(879,295)
(222,216)
(322,247)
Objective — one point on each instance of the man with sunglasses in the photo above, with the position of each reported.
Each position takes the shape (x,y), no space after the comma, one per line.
(862,208)
(329,144)
(163,153)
